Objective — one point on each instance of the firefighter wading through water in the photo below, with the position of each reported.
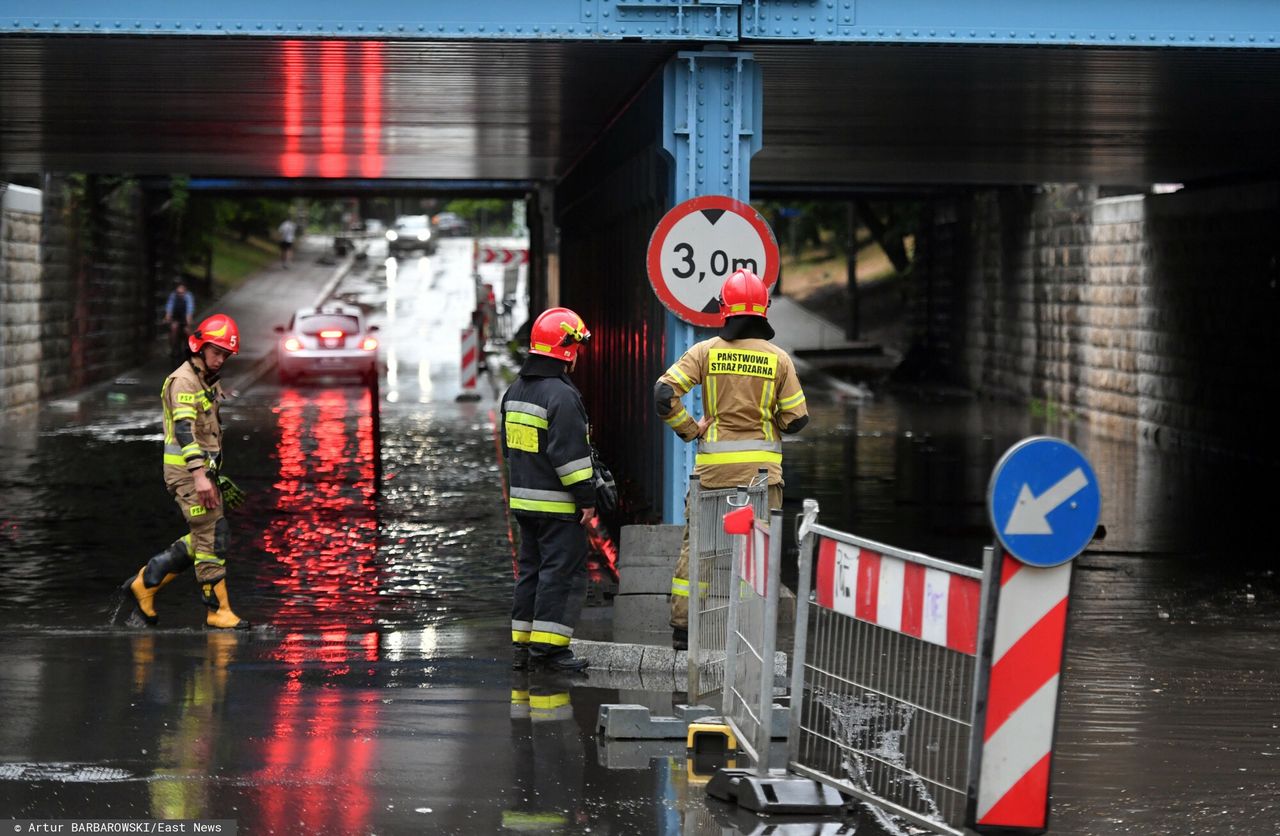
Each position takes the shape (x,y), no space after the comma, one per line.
(553,495)
(752,396)
(192,459)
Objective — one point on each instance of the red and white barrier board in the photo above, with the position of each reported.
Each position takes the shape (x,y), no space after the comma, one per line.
(1022,696)
(754,556)
(930,604)
(470,359)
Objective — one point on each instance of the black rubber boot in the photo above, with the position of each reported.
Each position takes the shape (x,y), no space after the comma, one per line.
(519,657)
(679,639)
(559,663)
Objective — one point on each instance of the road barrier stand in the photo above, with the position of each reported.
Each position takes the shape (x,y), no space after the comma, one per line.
(749,674)
(470,366)
(710,572)
(710,591)
(883,674)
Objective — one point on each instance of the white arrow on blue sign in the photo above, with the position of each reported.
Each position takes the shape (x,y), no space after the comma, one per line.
(1044,501)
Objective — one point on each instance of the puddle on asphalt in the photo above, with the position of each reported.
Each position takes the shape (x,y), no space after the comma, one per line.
(1170,708)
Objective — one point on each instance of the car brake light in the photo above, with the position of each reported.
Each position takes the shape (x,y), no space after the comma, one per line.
(369,344)
(292,344)
(331,335)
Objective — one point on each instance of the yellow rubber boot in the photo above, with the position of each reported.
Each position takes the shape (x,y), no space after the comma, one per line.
(222,618)
(146,595)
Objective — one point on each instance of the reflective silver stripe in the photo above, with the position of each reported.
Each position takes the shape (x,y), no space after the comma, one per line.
(575,465)
(752,445)
(172,450)
(524,406)
(521,626)
(548,496)
(552,627)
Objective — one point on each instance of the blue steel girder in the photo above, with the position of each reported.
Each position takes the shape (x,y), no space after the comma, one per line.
(658,20)
(1138,23)
(712,125)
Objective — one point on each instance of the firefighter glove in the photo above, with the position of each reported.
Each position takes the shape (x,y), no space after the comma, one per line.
(602,479)
(232,496)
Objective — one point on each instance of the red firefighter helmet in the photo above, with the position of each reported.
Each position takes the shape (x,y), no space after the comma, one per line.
(558,333)
(743,294)
(219,330)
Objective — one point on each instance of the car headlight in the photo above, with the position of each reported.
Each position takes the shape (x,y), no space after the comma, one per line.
(391,235)
(424,235)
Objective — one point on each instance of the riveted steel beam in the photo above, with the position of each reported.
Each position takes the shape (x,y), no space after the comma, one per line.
(711,126)
(1119,23)
(663,20)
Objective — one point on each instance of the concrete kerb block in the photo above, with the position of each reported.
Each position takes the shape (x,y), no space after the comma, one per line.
(635,722)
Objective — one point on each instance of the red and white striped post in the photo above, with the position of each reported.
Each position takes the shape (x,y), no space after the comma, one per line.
(469,367)
(1021,666)
(1043,503)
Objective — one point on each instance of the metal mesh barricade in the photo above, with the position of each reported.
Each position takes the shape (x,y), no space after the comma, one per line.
(710,564)
(883,675)
(752,633)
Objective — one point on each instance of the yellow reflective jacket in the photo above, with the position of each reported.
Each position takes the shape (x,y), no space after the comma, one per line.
(192,430)
(752,394)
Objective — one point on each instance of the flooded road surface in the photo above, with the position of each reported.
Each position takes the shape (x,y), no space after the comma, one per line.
(374,694)
(1170,720)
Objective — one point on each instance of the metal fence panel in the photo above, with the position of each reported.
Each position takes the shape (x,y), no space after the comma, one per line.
(752,637)
(710,570)
(883,676)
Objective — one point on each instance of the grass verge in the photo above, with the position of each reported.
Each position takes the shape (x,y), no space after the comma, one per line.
(234,260)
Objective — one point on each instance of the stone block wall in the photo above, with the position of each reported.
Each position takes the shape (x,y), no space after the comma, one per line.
(1151,316)
(77,298)
(20,213)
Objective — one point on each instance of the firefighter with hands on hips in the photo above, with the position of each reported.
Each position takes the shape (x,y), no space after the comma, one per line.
(752,396)
(192,461)
(552,493)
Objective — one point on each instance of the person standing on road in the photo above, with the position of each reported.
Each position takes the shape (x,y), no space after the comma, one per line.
(752,396)
(552,494)
(179,313)
(287,230)
(192,460)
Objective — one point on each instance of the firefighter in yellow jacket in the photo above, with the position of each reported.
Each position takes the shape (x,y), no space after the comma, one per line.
(192,459)
(752,396)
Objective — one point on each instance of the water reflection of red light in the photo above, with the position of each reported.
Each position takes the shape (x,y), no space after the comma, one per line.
(333,115)
(323,537)
(333,157)
(291,162)
(324,534)
(371,72)
(323,741)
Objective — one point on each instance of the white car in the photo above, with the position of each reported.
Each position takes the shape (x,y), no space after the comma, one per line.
(411,232)
(330,340)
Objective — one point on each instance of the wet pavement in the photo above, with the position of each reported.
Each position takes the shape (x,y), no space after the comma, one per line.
(375,696)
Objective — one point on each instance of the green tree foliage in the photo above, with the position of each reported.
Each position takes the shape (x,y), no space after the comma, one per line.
(824,225)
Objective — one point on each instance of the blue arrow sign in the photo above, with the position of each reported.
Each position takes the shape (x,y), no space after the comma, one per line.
(1044,501)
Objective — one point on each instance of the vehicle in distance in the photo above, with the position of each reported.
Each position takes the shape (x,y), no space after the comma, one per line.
(410,233)
(330,340)
(451,223)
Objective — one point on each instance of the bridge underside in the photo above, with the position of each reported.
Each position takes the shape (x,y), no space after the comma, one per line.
(519,111)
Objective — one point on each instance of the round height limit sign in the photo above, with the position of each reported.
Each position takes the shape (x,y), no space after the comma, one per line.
(699,244)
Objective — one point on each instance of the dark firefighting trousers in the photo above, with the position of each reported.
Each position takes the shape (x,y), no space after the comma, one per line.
(552,583)
(547,760)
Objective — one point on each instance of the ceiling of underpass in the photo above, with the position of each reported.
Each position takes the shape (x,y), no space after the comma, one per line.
(833,114)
